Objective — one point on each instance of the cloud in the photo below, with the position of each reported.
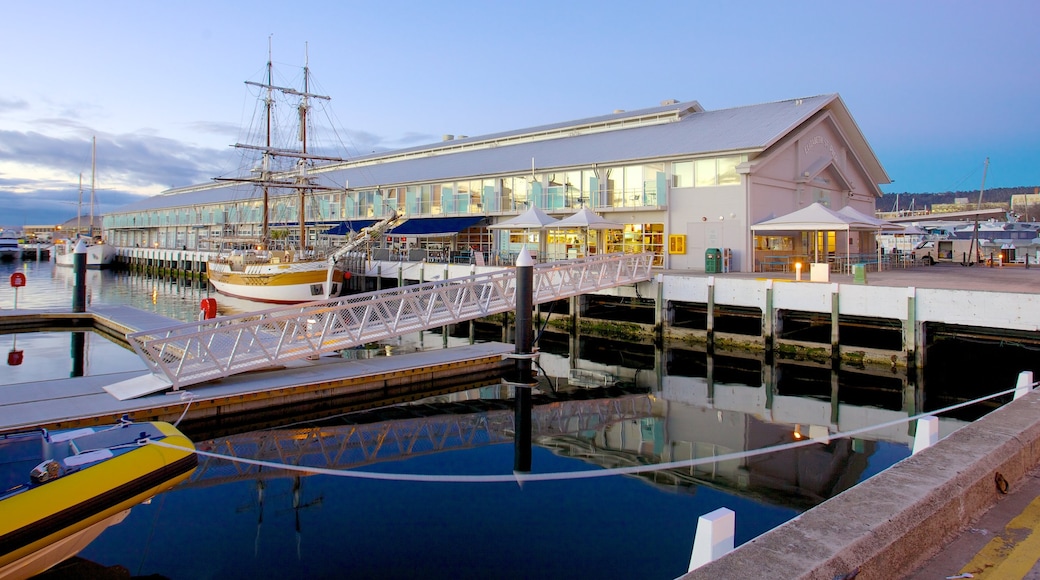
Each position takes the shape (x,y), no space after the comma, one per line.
(8,105)
(39,173)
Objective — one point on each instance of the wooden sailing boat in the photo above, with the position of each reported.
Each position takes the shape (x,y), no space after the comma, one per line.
(274,270)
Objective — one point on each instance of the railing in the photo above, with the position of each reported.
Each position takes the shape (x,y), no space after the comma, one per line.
(195,352)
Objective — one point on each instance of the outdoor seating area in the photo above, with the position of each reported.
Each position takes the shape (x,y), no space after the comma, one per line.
(839,263)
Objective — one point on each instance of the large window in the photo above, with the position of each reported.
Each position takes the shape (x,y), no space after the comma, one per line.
(637,238)
(682,174)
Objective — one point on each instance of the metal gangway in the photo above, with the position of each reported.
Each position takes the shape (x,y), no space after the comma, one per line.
(196,352)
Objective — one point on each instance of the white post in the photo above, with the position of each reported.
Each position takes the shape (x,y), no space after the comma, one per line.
(714,537)
(927,434)
(1025,383)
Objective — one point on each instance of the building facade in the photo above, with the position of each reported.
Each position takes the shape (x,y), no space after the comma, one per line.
(677,179)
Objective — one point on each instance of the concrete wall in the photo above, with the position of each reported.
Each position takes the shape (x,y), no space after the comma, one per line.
(896,520)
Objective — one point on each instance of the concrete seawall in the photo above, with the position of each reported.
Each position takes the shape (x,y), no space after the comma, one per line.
(892,523)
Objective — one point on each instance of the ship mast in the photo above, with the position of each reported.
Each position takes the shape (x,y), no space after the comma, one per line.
(268,178)
(302,162)
(265,171)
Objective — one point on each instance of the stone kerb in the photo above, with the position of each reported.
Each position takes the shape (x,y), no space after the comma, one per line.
(895,521)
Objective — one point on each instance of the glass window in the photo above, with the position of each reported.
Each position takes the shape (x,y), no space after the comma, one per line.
(682,174)
(633,186)
(704,173)
(728,170)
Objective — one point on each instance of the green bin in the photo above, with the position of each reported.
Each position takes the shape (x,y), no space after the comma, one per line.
(713,261)
(859,273)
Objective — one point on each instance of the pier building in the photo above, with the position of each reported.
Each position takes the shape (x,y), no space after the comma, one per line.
(678,179)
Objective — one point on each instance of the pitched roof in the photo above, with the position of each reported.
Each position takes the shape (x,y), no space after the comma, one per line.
(673,130)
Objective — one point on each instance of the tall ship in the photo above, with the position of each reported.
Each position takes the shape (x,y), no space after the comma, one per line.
(284,265)
(100,255)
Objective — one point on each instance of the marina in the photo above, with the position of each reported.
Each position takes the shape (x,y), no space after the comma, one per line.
(583,414)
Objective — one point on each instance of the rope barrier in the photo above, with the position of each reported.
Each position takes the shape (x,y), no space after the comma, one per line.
(520,478)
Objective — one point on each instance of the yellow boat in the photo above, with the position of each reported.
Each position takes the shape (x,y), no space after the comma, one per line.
(59,490)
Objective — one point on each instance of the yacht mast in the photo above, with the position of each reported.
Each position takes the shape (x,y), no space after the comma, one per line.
(974,247)
(79,207)
(93,172)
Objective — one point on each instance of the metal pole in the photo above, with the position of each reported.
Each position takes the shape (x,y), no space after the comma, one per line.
(79,270)
(524,352)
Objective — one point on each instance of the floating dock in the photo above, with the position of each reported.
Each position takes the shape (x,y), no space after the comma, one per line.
(302,387)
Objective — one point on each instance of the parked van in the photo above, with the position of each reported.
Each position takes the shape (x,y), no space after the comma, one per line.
(959,251)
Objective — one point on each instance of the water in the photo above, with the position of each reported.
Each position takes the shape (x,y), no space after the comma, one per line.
(238,521)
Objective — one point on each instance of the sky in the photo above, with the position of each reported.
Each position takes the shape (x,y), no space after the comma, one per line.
(935,86)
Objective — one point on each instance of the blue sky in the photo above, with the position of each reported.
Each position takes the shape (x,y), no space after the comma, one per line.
(936,86)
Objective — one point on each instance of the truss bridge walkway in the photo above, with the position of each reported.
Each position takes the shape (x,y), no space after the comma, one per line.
(196,352)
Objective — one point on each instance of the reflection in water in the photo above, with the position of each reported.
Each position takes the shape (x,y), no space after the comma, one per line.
(79,342)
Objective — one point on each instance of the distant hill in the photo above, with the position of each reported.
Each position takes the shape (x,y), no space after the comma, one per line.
(927,200)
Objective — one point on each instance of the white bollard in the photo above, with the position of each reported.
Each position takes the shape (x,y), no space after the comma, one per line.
(927,434)
(714,537)
(1025,383)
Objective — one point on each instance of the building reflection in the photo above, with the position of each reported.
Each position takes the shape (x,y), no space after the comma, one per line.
(678,404)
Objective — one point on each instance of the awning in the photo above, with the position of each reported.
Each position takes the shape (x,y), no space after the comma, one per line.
(437,226)
(345,228)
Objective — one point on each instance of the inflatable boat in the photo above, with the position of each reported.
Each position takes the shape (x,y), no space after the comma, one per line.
(60,489)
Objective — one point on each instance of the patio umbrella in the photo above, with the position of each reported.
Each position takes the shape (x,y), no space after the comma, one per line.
(813,218)
(882,225)
(586,219)
(532,219)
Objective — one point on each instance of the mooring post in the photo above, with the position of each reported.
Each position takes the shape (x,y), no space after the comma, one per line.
(926,435)
(659,319)
(835,326)
(444,329)
(714,537)
(711,312)
(767,317)
(910,327)
(1025,384)
(524,354)
(79,276)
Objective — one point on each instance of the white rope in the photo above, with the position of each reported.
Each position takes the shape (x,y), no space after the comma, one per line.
(190,396)
(519,477)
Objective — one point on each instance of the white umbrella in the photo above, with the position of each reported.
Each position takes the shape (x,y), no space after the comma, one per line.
(586,219)
(532,219)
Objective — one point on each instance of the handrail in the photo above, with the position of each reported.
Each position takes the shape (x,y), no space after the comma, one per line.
(196,352)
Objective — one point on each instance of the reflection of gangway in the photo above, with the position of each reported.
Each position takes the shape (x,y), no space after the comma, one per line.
(196,352)
(353,446)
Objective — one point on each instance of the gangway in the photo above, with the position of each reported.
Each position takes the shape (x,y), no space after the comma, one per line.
(196,352)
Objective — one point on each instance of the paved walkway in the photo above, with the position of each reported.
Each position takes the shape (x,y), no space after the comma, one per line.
(950,276)
(1003,544)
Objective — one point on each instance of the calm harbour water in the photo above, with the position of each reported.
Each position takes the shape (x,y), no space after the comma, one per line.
(236,521)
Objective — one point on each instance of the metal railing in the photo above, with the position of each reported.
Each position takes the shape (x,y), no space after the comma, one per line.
(196,352)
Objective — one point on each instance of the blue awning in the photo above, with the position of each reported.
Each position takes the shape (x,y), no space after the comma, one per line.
(437,226)
(349,226)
